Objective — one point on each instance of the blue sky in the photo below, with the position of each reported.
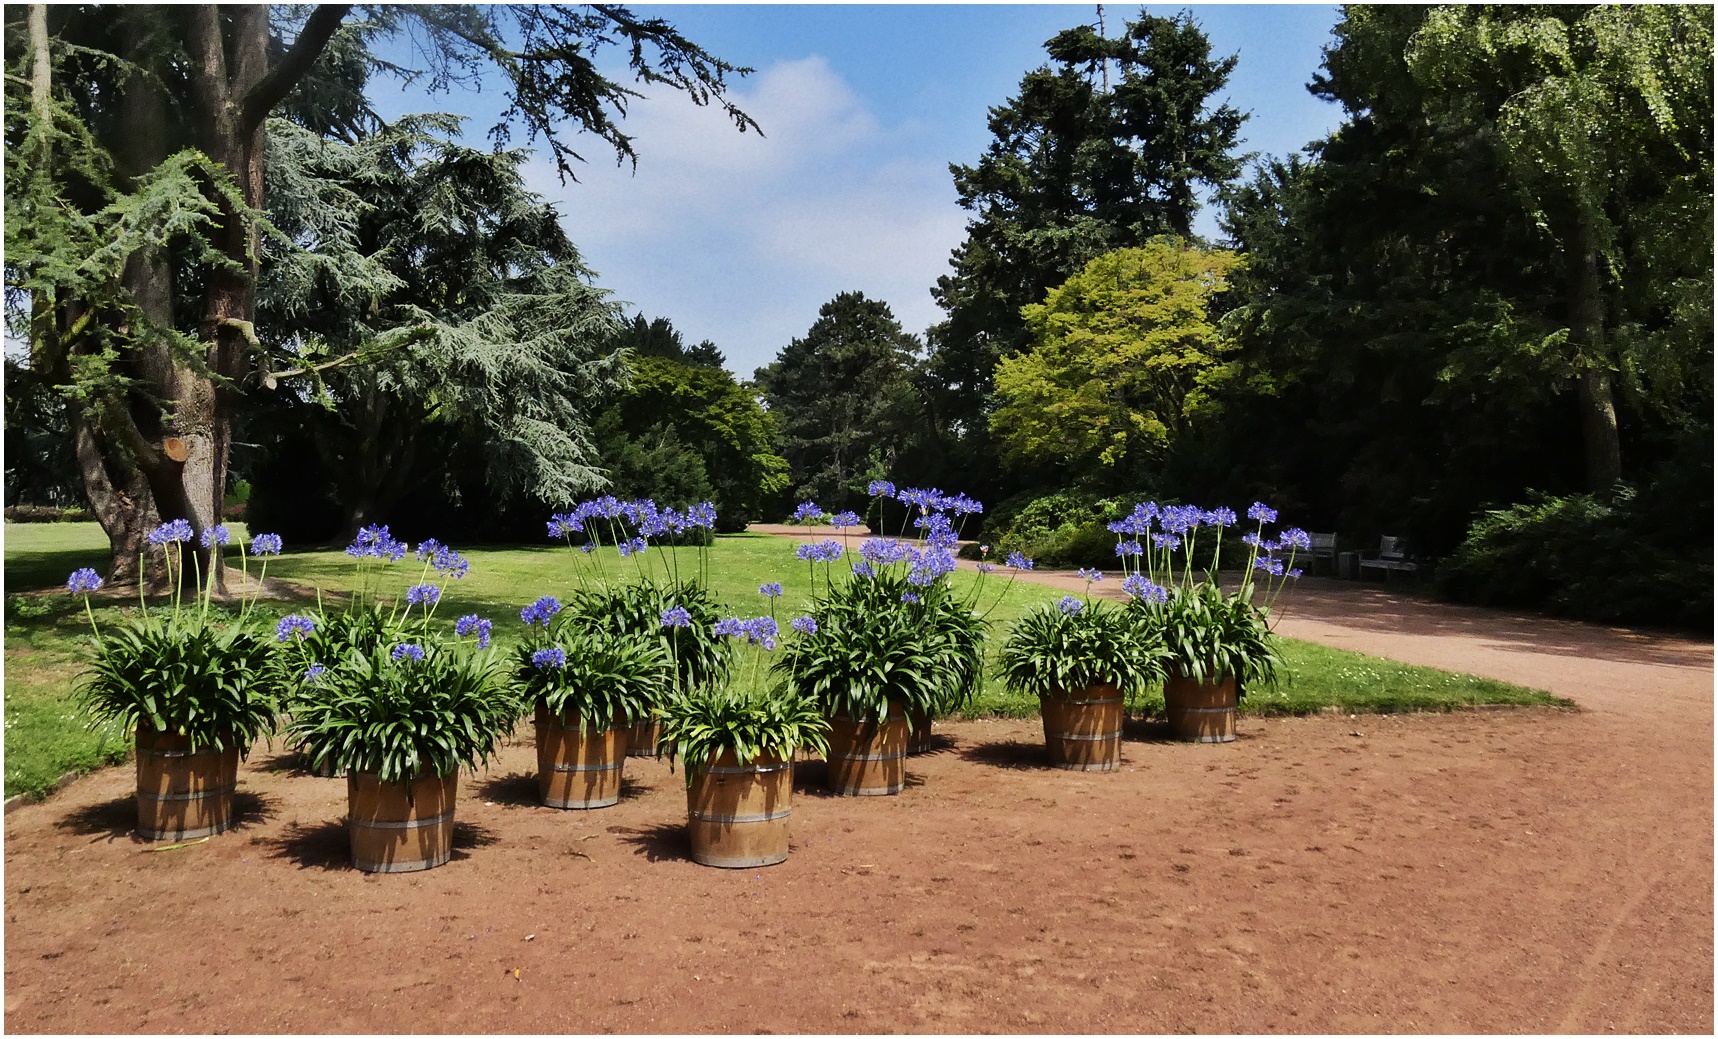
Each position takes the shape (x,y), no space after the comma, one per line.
(739,238)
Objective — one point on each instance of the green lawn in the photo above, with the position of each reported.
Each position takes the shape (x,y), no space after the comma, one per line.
(47,636)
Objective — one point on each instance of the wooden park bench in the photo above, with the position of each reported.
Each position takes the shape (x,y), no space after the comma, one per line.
(1390,558)
(1323,547)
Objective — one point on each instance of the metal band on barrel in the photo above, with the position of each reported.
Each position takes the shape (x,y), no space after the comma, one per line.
(747,770)
(409,824)
(196,795)
(610,767)
(762,817)
(1101,736)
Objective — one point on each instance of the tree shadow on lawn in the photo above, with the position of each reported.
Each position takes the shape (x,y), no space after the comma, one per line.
(327,845)
(117,819)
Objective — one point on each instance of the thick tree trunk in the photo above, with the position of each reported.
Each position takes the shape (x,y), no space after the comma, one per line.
(1600,442)
(126,512)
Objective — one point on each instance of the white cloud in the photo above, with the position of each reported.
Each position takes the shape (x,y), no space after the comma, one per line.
(740,238)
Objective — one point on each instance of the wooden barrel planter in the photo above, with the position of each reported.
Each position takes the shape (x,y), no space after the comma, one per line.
(867,759)
(736,815)
(918,731)
(642,737)
(1082,730)
(578,768)
(1200,712)
(183,793)
(396,829)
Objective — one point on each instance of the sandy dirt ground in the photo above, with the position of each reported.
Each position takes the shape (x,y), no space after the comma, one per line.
(1512,870)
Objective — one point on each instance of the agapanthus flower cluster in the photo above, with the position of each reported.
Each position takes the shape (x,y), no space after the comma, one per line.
(296,626)
(804,625)
(647,520)
(314,672)
(443,560)
(911,598)
(770,590)
(171,532)
(1139,587)
(676,617)
(1018,561)
(540,611)
(806,512)
(408,651)
(83,581)
(880,489)
(633,546)
(423,595)
(374,542)
(929,565)
(472,624)
(820,551)
(216,535)
(843,520)
(759,631)
(549,657)
(1091,575)
(938,530)
(884,551)
(1069,604)
(265,545)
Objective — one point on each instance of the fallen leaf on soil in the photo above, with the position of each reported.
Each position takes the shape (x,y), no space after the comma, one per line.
(173,847)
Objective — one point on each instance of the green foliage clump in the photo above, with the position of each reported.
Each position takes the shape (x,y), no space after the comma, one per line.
(700,658)
(703,724)
(1055,651)
(1207,634)
(606,678)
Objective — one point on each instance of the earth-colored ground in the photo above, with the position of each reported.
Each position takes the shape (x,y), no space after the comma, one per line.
(1490,871)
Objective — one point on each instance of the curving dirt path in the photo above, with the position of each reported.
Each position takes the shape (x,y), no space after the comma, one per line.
(1526,870)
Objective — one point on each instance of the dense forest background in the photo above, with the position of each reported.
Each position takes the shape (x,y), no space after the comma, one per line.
(1477,315)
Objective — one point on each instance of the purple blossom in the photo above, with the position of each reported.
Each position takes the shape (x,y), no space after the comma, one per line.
(471,623)
(566,524)
(172,532)
(926,499)
(880,488)
(762,631)
(844,520)
(1297,538)
(806,512)
(296,626)
(883,551)
(1170,542)
(314,672)
(423,595)
(1091,575)
(820,552)
(1262,512)
(1296,572)
(1018,561)
(443,560)
(961,505)
(1220,517)
(676,617)
(216,535)
(1130,548)
(910,598)
(540,611)
(551,657)
(84,581)
(770,590)
(864,569)
(409,651)
(985,568)
(805,625)
(1143,590)
(702,514)
(728,626)
(1070,605)
(265,545)
(374,542)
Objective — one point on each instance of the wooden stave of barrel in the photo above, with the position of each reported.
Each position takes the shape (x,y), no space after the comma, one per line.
(642,737)
(578,768)
(183,794)
(736,815)
(1200,712)
(1082,730)
(867,759)
(398,827)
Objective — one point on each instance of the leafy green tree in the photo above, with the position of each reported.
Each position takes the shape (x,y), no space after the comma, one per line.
(682,433)
(657,337)
(844,399)
(135,172)
(477,325)
(1078,168)
(1124,359)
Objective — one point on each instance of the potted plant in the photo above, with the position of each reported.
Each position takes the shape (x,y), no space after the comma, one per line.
(890,644)
(399,716)
(738,747)
(588,685)
(193,683)
(1216,644)
(1082,659)
(629,594)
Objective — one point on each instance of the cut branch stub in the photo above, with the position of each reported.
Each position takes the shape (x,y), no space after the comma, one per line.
(176,448)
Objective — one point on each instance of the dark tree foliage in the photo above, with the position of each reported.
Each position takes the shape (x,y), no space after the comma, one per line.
(40,468)
(844,401)
(657,337)
(1074,171)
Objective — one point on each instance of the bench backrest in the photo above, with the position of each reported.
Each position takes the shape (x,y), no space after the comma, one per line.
(1324,544)
(1390,548)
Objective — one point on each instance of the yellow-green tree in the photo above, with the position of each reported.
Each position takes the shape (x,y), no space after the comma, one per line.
(1124,357)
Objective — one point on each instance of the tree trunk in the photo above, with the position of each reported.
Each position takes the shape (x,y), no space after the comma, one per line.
(1600,443)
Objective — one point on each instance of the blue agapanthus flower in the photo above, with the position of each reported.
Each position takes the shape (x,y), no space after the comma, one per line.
(374,542)
(170,533)
(1296,537)
(1171,542)
(1262,512)
(566,524)
(806,512)
(1069,604)
(1220,517)
(1091,575)
(314,672)
(864,569)
(910,598)
(295,626)
(676,617)
(805,625)
(1130,548)
(844,520)
(540,611)
(265,545)
(1140,588)
(880,488)
(409,651)
(961,505)
(83,581)
(1018,561)
(216,535)
(472,624)
(883,551)
(762,631)
(423,595)
(985,568)
(927,499)
(770,590)
(728,626)
(702,515)
(820,552)
(551,657)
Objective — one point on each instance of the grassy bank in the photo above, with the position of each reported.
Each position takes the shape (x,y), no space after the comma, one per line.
(47,638)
